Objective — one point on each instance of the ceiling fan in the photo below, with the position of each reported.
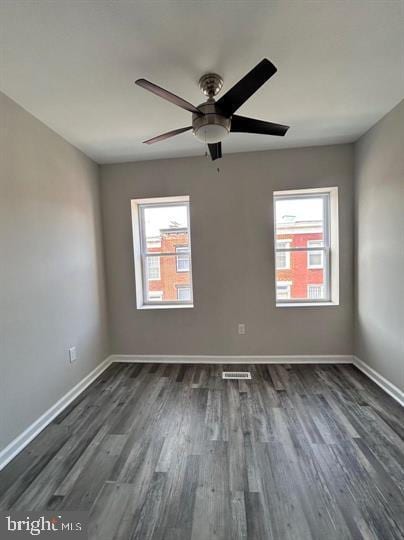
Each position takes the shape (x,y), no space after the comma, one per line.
(212,120)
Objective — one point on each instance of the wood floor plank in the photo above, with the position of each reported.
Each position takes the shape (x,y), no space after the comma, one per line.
(174,452)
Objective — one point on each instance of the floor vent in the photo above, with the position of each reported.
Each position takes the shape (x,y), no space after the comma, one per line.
(236,375)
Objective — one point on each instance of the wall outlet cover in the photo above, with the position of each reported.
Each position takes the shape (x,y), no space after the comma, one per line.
(241,328)
(72,354)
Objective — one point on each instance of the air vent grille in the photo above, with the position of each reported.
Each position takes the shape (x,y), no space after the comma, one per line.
(236,375)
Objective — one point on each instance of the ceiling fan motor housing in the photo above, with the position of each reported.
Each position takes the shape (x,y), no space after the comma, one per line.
(211,126)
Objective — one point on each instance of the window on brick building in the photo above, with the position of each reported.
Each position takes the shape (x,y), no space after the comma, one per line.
(155,296)
(153,268)
(183,259)
(283,257)
(315,291)
(162,250)
(183,292)
(283,290)
(306,247)
(315,259)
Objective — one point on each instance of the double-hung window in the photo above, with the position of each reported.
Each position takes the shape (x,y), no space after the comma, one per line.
(306,246)
(162,250)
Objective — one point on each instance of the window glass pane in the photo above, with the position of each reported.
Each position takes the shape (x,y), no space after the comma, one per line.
(165,227)
(162,277)
(301,223)
(293,283)
(300,217)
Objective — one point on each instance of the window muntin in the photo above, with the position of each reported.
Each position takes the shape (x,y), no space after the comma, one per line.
(160,226)
(303,217)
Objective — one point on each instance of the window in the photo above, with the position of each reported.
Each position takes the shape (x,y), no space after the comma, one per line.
(315,258)
(306,246)
(153,268)
(155,296)
(182,260)
(162,252)
(183,293)
(283,257)
(283,290)
(315,291)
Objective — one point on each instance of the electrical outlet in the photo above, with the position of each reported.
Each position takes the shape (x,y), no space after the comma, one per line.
(241,328)
(72,354)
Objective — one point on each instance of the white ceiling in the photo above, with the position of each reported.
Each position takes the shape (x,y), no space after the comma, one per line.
(72,64)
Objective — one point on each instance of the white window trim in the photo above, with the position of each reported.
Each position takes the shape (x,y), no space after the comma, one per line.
(141,295)
(333,220)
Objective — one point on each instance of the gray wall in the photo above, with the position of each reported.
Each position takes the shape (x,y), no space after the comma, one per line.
(379,195)
(51,269)
(233,261)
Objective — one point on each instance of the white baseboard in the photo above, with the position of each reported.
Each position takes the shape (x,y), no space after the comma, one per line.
(381,381)
(20,442)
(233,359)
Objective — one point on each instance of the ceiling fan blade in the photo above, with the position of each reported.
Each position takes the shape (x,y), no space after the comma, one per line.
(245,88)
(167,135)
(215,150)
(169,96)
(242,124)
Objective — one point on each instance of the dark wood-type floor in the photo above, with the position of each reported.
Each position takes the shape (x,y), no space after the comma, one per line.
(173,452)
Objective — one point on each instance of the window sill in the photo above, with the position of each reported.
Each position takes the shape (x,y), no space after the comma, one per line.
(168,306)
(306,304)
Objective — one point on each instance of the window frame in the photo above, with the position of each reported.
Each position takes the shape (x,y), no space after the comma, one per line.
(330,249)
(140,251)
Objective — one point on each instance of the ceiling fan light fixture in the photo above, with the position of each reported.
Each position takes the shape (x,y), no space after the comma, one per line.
(211,133)
(210,127)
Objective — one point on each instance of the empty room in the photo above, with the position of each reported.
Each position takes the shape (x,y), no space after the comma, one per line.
(201,269)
